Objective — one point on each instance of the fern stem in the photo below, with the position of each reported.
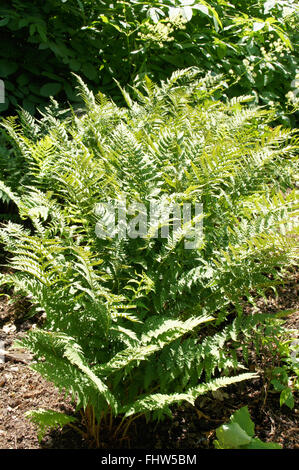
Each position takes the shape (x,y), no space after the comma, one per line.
(83,434)
(110,422)
(127,423)
(118,427)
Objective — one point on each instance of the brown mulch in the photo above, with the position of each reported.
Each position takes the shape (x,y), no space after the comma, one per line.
(22,389)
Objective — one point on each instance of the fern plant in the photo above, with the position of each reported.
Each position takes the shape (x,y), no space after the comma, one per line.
(135,324)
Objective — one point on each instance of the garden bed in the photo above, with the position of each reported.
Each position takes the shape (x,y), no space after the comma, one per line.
(22,389)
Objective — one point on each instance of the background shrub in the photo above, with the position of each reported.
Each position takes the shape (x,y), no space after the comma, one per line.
(253,43)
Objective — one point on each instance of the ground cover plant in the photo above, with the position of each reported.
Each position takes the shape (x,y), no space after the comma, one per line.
(238,433)
(254,44)
(135,321)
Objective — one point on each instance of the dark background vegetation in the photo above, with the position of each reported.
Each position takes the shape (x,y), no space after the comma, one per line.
(253,43)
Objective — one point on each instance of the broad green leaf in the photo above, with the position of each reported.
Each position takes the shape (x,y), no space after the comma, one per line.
(75,65)
(256,443)
(258,25)
(187,13)
(243,419)
(4,22)
(287,398)
(89,70)
(154,14)
(203,9)
(50,89)
(23,79)
(269,5)
(7,67)
(232,436)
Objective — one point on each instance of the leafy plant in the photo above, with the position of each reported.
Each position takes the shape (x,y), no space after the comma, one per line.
(285,378)
(253,44)
(135,321)
(238,433)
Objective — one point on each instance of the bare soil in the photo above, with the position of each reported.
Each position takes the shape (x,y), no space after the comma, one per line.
(22,389)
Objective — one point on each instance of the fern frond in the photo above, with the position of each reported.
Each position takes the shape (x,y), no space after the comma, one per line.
(151,342)
(162,402)
(48,419)
(129,313)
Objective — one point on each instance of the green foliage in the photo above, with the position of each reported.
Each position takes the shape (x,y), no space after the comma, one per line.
(253,44)
(48,419)
(285,378)
(238,433)
(136,324)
